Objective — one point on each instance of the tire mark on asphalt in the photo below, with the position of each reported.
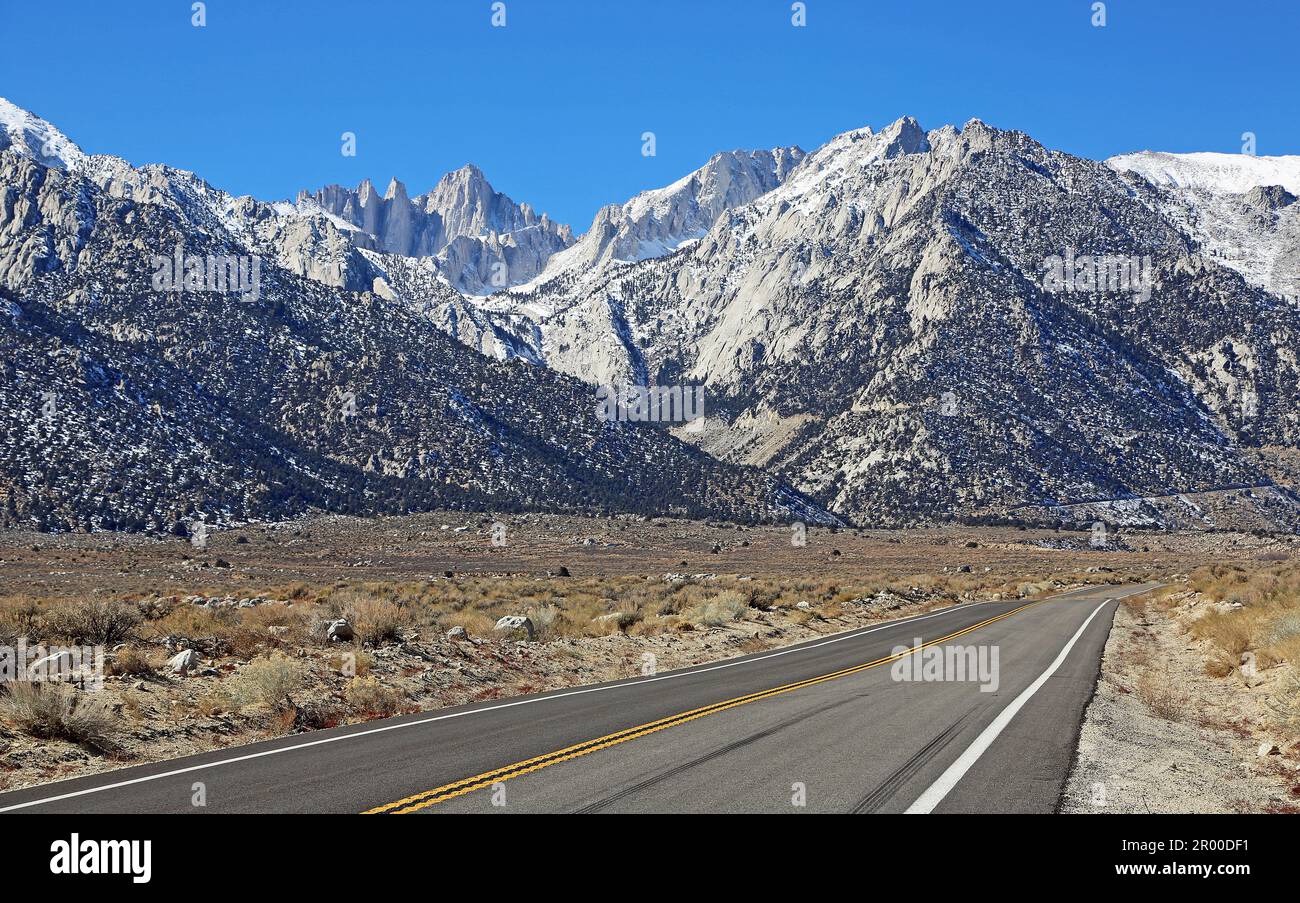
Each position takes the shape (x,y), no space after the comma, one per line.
(717,753)
(881,794)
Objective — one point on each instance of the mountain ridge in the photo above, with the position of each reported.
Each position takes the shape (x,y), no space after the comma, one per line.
(872,319)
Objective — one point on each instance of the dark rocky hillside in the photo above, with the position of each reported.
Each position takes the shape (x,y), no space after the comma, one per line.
(126,408)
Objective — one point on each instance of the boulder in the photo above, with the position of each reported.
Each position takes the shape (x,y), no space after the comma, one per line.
(512,623)
(458,633)
(340,631)
(183,663)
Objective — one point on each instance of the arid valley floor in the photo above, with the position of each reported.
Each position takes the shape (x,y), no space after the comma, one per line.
(1177,723)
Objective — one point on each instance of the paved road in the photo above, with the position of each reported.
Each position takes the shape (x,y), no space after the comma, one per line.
(826,726)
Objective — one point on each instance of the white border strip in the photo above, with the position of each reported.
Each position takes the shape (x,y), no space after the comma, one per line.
(936,792)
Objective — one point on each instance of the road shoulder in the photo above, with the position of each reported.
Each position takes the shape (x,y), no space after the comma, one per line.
(1162,736)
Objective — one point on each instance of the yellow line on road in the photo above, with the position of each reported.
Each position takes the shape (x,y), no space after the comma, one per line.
(468,785)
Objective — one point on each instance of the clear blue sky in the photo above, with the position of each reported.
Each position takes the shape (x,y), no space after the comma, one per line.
(552,106)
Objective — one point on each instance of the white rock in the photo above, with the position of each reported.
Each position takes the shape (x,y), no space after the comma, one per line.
(183,663)
(516,622)
(340,631)
(53,666)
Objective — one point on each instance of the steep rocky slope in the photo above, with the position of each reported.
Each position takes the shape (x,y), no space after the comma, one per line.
(882,333)
(126,407)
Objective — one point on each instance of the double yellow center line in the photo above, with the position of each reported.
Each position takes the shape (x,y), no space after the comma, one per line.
(488,778)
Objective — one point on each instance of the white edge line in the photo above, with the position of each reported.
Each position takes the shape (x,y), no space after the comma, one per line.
(526,701)
(936,792)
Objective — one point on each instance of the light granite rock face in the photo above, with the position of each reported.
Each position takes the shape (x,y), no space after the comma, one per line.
(483,241)
(658,222)
(878,328)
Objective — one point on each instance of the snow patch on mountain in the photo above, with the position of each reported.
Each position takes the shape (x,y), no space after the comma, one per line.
(1217,173)
(33,137)
(1242,209)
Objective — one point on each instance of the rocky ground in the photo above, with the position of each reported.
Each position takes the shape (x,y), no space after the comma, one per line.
(1165,734)
(318,549)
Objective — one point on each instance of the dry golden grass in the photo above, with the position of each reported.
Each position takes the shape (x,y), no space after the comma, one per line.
(377,620)
(1264,623)
(721,609)
(388,612)
(351,664)
(133,662)
(1268,619)
(58,712)
(383,612)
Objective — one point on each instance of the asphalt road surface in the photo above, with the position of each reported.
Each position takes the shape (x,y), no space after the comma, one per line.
(830,725)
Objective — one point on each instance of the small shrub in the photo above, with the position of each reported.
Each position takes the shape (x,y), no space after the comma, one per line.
(722,609)
(58,712)
(1162,699)
(377,621)
(369,697)
(670,606)
(19,619)
(269,681)
(616,621)
(98,622)
(547,620)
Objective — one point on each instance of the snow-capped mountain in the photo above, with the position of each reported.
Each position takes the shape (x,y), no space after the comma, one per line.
(127,402)
(304,239)
(482,240)
(905,326)
(881,331)
(659,221)
(1241,208)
